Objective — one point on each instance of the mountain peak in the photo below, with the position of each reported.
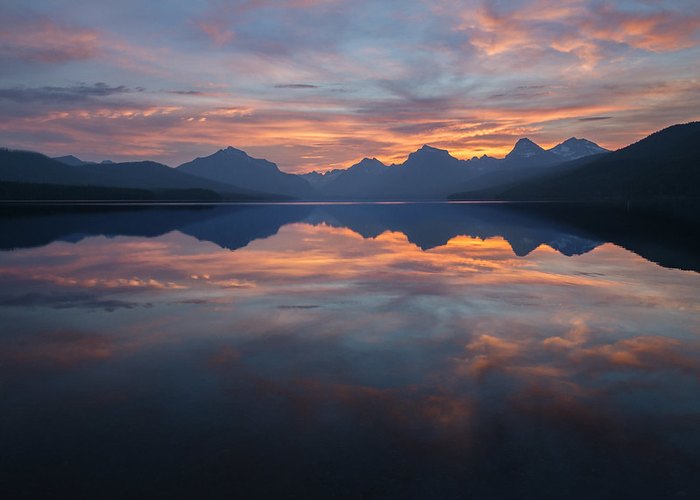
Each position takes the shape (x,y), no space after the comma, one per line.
(231,151)
(235,167)
(225,160)
(71,160)
(524,149)
(368,165)
(573,149)
(430,149)
(370,162)
(525,142)
(68,157)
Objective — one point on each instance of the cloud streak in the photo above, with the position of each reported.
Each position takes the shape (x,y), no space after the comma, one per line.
(70,94)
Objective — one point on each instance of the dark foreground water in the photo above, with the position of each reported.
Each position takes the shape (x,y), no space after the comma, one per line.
(349,351)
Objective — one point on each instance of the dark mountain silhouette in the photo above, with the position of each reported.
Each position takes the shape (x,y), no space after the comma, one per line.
(490,184)
(19,191)
(28,167)
(71,160)
(428,173)
(573,149)
(526,153)
(35,169)
(664,165)
(320,179)
(359,178)
(235,167)
(148,175)
(526,161)
(75,161)
(432,173)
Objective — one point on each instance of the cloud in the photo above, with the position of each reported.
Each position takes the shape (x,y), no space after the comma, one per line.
(588,31)
(594,118)
(188,92)
(43,40)
(217,32)
(296,86)
(663,29)
(66,300)
(70,94)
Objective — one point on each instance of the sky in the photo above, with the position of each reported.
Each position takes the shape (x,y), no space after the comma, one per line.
(320,84)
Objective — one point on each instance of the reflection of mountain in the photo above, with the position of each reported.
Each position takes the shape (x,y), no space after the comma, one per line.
(234,227)
(571,230)
(26,227)
(229,227)
(432,225)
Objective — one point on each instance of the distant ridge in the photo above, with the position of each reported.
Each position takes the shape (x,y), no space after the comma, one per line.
(359,178)
(236,167)
(526,153)
(34,169)
(74,161)
(432,173)
(573,149)
(662,166)
(428,173)
(71,160)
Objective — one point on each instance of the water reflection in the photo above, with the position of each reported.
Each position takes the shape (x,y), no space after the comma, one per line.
(344,351)
(570,229)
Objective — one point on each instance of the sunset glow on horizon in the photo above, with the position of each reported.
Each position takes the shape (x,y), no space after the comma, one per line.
(320,84)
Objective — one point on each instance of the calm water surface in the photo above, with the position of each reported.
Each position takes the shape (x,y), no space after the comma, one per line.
(391,351)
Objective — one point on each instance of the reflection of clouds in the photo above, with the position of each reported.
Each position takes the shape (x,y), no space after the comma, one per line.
(646,353)
(134,282)
(341,263)
(66,300)
(508,315)
(57,349)
(462,359)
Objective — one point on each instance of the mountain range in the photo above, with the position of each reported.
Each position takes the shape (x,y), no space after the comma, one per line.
(33,174)
(661,165)
(432,173)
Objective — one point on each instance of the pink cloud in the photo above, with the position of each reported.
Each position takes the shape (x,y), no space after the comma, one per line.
(576,28)
(217,31)
(43,40)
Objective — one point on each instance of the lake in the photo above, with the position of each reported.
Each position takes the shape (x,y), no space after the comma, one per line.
(348,351)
